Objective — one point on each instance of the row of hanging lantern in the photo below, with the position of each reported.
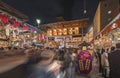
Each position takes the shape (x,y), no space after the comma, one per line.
(11,21)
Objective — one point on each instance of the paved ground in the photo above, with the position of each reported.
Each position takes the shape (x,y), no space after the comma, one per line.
(39,71)
(34,70)
(9,63)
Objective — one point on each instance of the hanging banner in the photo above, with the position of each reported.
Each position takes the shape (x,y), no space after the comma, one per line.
(84,62)
(16,24)
(4,19)
(1,15)
(7,32)
(14,34)
(32,29)
(25,27)
(59,38)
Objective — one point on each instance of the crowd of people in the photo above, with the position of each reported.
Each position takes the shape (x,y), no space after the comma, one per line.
(68,60)
(108,59)
(10,52)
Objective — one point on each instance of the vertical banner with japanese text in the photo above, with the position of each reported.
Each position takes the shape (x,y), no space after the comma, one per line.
(84,62)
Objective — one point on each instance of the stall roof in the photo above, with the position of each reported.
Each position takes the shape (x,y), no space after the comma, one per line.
(108,28)
(74,23)
(8,9)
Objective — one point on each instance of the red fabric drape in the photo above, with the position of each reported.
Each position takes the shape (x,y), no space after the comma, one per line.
(109,28)
(16,24)
(1,15)
(25,27)
(4,19)
(32,29)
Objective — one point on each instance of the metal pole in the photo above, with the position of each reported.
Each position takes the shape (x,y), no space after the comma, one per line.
(82,34)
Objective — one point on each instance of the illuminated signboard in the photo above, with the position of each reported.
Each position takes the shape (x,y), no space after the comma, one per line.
(54,32)
(49,32)
(63,31)
(59,31)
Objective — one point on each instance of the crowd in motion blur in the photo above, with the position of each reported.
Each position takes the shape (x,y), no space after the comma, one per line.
(108,61)
(64,62)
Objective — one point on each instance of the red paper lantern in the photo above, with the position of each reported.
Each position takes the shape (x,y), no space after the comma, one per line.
(16,24)
(25,27)
(4,19)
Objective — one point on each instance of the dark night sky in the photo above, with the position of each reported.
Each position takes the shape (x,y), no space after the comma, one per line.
(48,10)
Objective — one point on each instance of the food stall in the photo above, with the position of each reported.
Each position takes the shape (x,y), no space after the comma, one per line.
(110,35)
(66,33)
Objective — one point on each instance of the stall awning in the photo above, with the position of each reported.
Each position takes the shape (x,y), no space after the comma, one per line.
(115,23)
(112,26)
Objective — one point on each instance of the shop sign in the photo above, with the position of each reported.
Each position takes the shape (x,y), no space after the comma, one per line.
(68,38)
(7,32)
(114,25)
(76,39)
(51,38)
(63,38)
(58,39)
(63,31)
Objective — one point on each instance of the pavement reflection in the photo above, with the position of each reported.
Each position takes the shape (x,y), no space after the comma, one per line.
(31,69)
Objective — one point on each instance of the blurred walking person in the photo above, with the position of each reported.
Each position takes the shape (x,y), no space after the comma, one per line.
(67,63)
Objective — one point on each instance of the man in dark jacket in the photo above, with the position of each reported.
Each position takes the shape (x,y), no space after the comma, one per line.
(114,62)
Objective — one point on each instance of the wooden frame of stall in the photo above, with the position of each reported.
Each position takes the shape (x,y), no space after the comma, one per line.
(8,10)
(81,24)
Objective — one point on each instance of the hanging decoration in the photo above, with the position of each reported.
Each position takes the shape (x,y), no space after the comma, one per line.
(7,32)
(5,19)
(25,27)
(13,22)
(16,24)
(14,34)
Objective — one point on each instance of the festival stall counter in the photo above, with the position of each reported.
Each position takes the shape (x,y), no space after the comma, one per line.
(12,27)
(3,37)
(111,33)
(109,36)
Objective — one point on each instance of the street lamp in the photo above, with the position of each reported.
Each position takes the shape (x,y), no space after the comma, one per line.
(38,21)
(85,10)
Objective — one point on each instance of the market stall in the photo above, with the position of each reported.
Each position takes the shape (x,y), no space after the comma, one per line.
(14,32)
(110,35)
(66,33)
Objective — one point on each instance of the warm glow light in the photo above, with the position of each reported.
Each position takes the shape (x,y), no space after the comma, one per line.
(38,21)
(85,11)
(55,32)
(65,31)
(114,25)
(59,32)
(109,12)
(70,31)
(49,32)
(76,30)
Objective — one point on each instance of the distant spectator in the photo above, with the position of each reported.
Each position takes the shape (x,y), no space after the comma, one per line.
(112,48)
(15,48)
(1,48)
(114,63)
(9,48)
(99,58)
(105,64)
